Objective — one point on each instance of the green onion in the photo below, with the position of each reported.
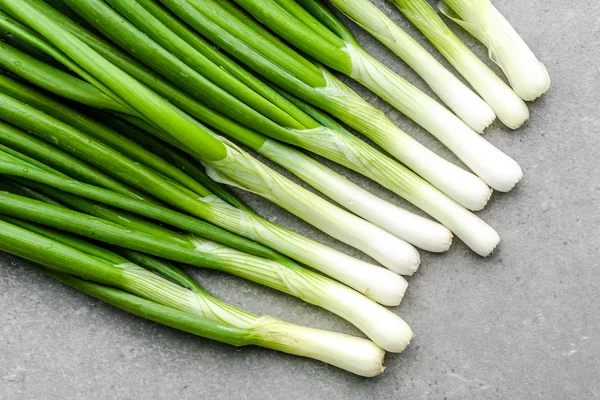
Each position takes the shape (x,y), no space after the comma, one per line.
(91,152)
(527,75)
(472,230)
(509,107)
(156,298)
(463,101)
(355,355)
(275,61)
(234,163)
(468,227)
(496,168)
(375,282)
(417,230)
(347,151)
(391,251)
(411,228)
(381,325)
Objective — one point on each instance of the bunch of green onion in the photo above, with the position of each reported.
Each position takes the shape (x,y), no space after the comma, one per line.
(120,122)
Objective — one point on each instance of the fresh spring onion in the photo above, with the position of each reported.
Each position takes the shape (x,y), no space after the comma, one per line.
(229,161)
(466,231)
(314,84)
(424,233)
(353,354)
(456,95)
(122,201)
(469,228)
(509,108)
(527,75)
(299,27)
(373,281)
(415,229)
(386,242)
(143,293)
(384,327)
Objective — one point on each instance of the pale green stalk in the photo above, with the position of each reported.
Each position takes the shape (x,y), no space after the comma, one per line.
(456,95)
(380,324)
(527,75)
(231,162)
(493,166)
(509,107)
(179,305)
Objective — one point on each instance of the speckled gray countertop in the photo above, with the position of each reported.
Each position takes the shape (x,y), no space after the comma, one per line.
(523,323)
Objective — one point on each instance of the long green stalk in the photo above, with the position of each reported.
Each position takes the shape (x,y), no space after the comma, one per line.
(156,265)
(377,283)
(494,167)
(386,248)
(34,41)
(509,107)
(21,141)
(527,75)
(199,183)
(168,152)
(349,150)
(239,221)
(158,299)
(412,228)
(116,83)
(88,126)
(231,162)
(456,95)
(380,324)
(460,185)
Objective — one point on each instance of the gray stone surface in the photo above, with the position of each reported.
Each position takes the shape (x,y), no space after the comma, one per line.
(523,323)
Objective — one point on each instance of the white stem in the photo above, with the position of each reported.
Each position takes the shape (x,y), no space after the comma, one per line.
(527,75)
(240,169)
(419,231)
(509,107)
(462,100)
(380,324)
(386,329)
(476,234)
(350,353)
(377,283)
(462,186)
(496,168)
(353,354)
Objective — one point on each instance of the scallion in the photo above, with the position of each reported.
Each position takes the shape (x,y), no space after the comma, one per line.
(508,107)
(381,325)
(298,27)
(232,162)
(143,293)
(527,75)
(375,282)
(456,95)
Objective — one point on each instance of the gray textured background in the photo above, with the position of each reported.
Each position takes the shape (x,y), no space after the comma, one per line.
(523,323)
